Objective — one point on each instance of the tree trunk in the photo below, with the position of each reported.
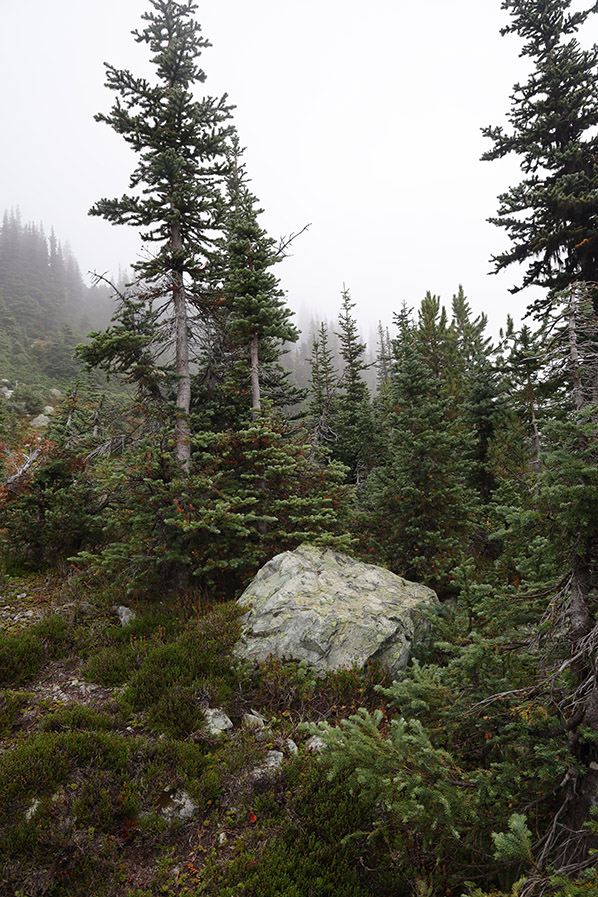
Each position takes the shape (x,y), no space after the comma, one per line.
(537,459)
(183,399)
(256,402)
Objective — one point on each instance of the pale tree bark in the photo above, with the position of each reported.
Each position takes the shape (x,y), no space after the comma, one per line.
(181,331)
(256,402)
(537,459)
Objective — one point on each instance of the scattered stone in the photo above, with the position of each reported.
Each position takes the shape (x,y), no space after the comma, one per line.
(174,803)
(217,721)
(291,747)
(222,839)
(329,610)
(125,614)
(48,409)
(56,393)
(268,768)
(253,720)
(42,420)
(58,694)
(6,392)
(315,744)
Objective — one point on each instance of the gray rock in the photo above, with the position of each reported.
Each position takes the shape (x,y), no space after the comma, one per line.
(253,720)
(330,610)
(177,803)
(268,768)
(6,392)
(315,744)
(125,614)
(217,721)
(49,409)
(42,420)
(291,747)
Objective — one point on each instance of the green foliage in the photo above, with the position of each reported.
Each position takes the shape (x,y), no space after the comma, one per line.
(550,215)
(77,718)
(515,845)
(211,522)
(22,653)
(306,858)
(256,313)
(11,703)
(419,506)
(83,785)
(20,657)
(51,514)
(45,308)
(416,790)
(173,678)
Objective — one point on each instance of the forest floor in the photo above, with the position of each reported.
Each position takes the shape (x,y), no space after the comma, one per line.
(112,783)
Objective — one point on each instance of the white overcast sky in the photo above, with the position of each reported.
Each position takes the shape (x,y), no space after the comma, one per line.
(362,119)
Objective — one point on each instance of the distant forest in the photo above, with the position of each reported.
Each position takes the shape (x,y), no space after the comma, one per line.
(45,306)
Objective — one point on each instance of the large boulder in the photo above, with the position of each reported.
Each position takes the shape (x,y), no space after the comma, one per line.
(325,608)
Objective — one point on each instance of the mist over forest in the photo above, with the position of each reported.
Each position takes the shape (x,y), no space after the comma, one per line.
(294,610)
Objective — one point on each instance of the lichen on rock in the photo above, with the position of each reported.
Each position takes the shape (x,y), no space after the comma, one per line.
(325,608)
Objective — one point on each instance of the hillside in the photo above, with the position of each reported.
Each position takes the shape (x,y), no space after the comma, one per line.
(45,307)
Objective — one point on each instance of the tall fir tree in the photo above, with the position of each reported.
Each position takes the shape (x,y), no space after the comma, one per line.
(180,143)
(419,506)
(355,445)
(323,387)
(258,320)
(551,215)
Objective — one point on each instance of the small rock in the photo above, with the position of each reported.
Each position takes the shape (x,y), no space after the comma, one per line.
(31,810)
(59,695)
(222,839)
(268,768)
(48,409)
(177,803)
(315,744)
(125,614)
(216,720)
(42,420)
(253,720)
(56,393)
(291,747)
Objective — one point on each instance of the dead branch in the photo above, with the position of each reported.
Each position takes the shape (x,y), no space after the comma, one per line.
(32,460)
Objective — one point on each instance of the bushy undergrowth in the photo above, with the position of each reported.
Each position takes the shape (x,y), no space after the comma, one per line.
(22,653)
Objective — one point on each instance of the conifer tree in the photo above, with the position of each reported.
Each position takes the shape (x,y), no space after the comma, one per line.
(323,387)
(180,143)
(551,215)
(258,319)
(419,507)
(355,444)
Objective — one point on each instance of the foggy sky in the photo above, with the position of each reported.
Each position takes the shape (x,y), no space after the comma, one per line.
(362,120)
